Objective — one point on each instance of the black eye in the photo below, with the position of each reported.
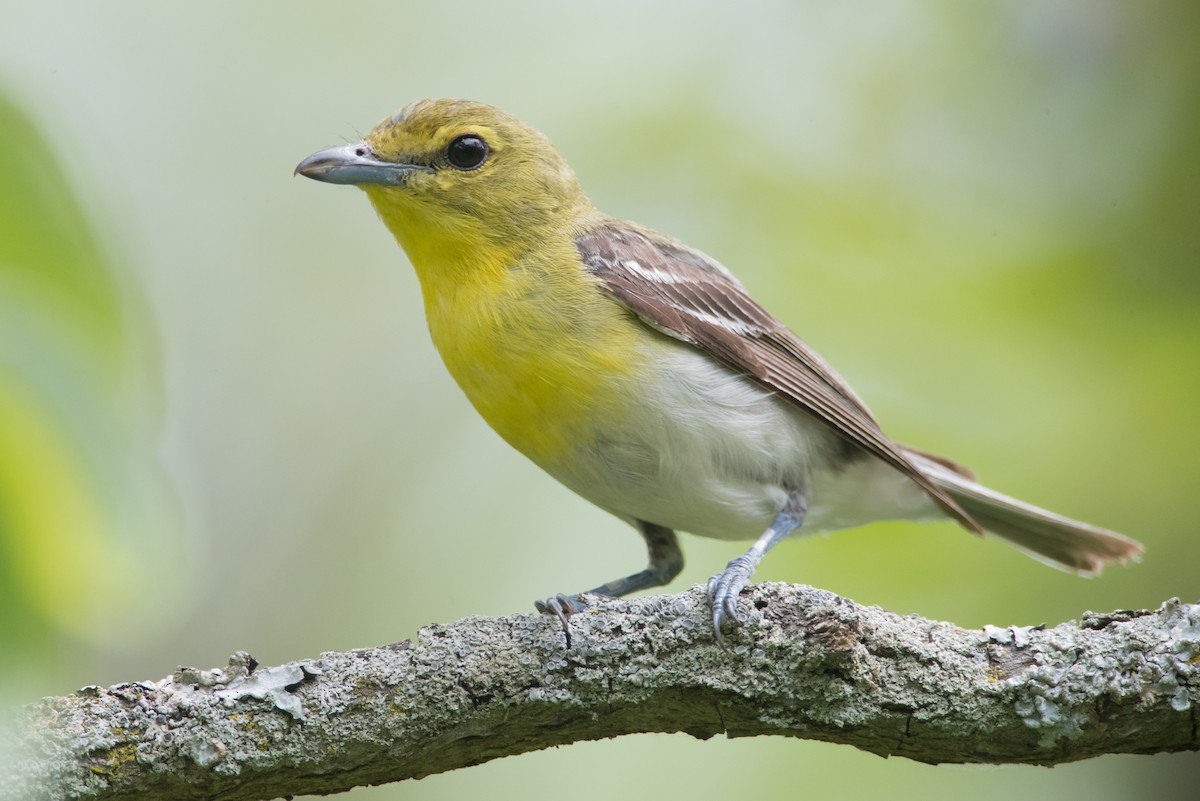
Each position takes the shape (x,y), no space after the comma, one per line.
(467,152)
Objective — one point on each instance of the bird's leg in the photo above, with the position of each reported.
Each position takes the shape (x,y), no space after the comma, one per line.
(723,588)
(666,560)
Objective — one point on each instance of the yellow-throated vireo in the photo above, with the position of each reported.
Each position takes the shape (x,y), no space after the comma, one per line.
(638,372)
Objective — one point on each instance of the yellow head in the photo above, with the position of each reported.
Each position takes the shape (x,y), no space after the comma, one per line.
(453,176)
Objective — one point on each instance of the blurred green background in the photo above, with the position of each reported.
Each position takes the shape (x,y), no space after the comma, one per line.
(222,425)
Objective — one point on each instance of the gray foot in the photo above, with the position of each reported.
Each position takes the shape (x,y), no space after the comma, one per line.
(723,591)
(561,606)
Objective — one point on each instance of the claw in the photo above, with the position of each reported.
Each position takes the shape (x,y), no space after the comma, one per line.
(723,591)
(561,606)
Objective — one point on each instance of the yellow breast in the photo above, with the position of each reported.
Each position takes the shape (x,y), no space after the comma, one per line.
(544,357)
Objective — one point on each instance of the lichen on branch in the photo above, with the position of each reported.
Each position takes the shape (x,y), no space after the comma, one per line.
(806,663)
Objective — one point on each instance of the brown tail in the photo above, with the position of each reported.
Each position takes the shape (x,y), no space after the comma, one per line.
(1057,540)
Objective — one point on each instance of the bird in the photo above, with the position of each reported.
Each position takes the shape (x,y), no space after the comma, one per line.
(639,372)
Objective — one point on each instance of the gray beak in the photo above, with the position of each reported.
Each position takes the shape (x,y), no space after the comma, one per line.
(355,164)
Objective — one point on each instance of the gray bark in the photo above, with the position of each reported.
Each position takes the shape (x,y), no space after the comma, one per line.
(805,664)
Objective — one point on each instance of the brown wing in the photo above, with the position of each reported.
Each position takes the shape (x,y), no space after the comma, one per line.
(687,295)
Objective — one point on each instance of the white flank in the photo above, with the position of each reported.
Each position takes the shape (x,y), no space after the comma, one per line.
(706,450)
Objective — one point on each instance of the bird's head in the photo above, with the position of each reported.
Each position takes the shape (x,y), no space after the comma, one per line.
(451,174)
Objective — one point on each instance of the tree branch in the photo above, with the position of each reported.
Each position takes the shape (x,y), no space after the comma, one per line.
(806,664)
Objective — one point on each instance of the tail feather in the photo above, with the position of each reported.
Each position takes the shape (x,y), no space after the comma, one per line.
(1051,538)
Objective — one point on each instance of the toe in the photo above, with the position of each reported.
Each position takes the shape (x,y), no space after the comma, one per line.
(560,606)
(723,591)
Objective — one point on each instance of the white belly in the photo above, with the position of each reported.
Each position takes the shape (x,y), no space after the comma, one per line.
(706,450)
